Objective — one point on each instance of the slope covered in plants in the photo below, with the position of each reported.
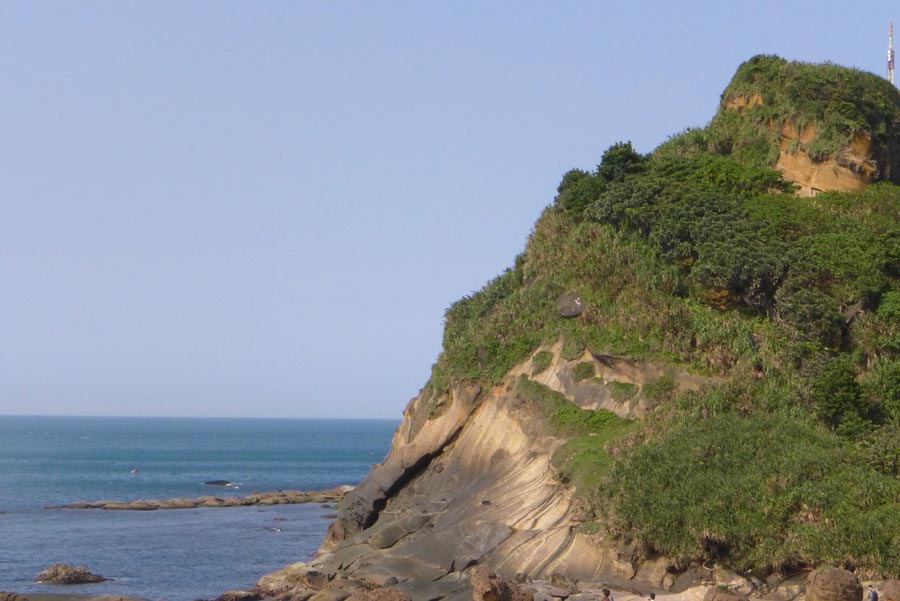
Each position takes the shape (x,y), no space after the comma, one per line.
(701,256)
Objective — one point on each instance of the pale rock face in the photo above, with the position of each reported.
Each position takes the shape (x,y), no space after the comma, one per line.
(851,171)
(854,168)
(469,481)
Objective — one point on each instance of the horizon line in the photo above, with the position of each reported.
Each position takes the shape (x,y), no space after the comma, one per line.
(259,417)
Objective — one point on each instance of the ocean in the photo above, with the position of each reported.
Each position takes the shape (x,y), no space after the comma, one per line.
(177,555)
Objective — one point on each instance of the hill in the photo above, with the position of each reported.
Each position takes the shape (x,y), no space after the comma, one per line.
(694,362)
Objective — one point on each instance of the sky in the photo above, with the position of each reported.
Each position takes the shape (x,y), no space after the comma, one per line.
(263,209)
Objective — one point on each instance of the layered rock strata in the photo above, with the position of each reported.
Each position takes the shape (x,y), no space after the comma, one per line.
(469,482)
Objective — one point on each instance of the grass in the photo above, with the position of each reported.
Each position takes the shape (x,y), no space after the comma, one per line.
(763,492)
(622,391)
(839,102)
(541,361)
(584,370)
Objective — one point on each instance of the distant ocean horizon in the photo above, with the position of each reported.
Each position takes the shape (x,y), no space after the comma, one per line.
(183,554)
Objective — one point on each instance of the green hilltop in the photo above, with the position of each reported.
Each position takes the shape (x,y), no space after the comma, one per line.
(700,255)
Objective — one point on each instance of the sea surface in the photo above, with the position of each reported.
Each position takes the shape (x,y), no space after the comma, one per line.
(182,554)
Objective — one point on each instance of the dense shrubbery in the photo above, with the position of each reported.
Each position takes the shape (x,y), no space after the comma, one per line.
(839,102)
(700,255)
(759,491)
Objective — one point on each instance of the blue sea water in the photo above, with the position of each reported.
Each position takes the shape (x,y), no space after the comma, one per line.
(178,555)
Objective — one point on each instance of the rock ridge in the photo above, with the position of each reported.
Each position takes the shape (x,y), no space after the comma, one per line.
(281,497)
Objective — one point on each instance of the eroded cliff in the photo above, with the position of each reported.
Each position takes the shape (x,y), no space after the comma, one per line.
(681,332)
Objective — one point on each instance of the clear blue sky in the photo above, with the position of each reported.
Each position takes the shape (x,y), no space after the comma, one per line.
(264,208)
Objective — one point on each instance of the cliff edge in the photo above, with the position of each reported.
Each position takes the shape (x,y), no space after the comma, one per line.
(690,376)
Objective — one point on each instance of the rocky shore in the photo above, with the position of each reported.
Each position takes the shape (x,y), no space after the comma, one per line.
(281,497)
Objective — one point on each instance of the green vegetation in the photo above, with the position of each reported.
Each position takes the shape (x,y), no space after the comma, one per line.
(660,389)
(541,361)
(622,391)
(765,492)
(837,101)
(584,459)
(700,256)
(584,370)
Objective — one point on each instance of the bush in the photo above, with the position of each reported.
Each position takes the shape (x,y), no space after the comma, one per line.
(584,370)
(660,389)
(757,492)
(541,361)
(622,391)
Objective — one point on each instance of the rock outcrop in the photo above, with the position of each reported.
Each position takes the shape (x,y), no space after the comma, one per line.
(833,584)
(281,497)
(891,591)
(61,573)
(473,485)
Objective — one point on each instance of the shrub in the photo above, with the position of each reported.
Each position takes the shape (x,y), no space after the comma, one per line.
(757,492)
(660,389)
(541,361)
(622,391)
(584,370)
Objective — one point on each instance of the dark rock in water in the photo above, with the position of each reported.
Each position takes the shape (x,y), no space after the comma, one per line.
(833,584)
(569,305)
(218,483)
(61,573)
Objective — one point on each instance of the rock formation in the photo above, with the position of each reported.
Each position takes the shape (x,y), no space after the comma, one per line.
(469,502)
(475,486)
(833,584)
(61,573)
(281,497)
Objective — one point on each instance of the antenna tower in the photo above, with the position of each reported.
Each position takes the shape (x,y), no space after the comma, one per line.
(890,56)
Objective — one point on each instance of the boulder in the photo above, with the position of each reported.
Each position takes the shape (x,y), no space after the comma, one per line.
(61,573)
(295,580)
(833,584)
(569,305)
(236,595)
(719,594)
(487,586)
(891,591)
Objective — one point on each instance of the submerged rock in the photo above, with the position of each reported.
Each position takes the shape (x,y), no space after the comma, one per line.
(61,573)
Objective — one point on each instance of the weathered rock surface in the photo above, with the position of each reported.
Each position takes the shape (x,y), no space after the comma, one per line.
(569,305)
(891,591)
(833,584)
(468,484)
(384,594)
(61,573)
(490,587)
(717,594)
(237,595)
(854,167)
(281,497)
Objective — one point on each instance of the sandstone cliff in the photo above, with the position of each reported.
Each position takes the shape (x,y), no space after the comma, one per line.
(685,267)
(476,485)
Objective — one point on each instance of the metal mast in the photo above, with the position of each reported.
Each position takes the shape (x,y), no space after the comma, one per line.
(890,56)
